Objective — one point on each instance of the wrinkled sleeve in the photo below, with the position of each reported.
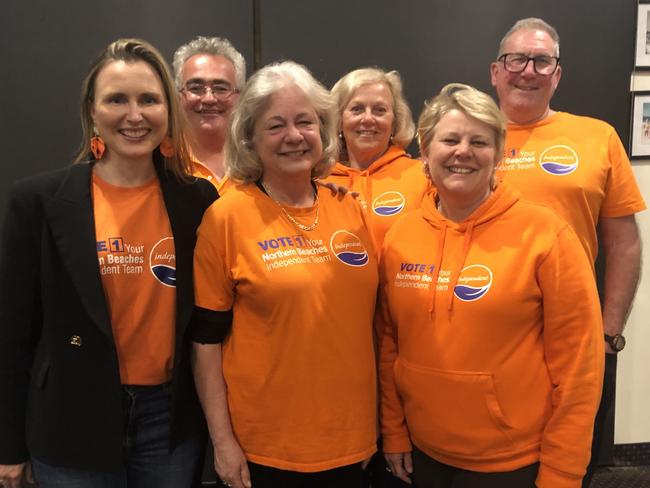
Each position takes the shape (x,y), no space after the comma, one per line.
(574,355)
(213,283)
(20,318)
(622,194)
(393,422)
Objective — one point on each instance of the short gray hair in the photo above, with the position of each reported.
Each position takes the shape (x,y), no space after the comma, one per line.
(532,23)
(243,161)
(214,46)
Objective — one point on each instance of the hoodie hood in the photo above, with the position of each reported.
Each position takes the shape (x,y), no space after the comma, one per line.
(501,199)
(391,154)
(341,170)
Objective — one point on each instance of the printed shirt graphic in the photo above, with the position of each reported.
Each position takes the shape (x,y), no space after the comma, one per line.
(575,165)
(137,263)
(299,363)
(389,188)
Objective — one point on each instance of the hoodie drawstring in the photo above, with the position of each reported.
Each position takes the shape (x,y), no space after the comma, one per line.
(460,263)
(436,269)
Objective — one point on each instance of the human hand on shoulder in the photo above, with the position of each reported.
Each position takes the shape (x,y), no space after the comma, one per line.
(337,190)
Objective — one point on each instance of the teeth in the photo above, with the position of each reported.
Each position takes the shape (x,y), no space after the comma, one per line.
(134,132)
(462,171)
(295,153)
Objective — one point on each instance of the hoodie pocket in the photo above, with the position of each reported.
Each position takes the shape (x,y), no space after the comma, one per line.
(453,412)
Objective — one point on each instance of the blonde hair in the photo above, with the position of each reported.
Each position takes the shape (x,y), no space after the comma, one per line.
(343,91)
(132,51)
(243,161)
(467,99)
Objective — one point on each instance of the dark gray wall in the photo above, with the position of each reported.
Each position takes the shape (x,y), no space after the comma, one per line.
(435,42)
(46,47)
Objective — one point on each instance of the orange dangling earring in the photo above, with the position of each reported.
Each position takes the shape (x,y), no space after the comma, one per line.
(167,147)
(97,146)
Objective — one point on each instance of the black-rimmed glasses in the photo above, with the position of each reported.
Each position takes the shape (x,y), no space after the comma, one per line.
(517,62)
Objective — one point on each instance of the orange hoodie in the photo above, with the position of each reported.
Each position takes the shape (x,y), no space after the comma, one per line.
(390,187)
(491,343)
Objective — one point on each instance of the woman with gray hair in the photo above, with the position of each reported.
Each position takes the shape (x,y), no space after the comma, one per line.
(491,356)
(375,128)
(285,292)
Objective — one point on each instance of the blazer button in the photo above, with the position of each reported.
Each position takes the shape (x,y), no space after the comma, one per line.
(75,340)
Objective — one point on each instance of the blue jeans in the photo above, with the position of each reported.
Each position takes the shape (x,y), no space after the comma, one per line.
(148,462)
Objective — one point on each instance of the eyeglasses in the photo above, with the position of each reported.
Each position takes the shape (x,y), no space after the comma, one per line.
(220,91)
(517,62)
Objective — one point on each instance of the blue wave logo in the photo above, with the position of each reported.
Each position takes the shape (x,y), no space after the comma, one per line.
(388,203)
(559,160)
(348,248)
(162,261)
(473,283)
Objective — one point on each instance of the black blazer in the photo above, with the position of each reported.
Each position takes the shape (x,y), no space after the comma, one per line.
(59,402)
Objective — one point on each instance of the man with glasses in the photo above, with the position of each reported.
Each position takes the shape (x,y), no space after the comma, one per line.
(209,74)
(577,166)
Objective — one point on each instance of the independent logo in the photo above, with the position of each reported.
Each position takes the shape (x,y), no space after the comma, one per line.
(388,203)
(162,261)
(473,283)
(559,160)
(348,248)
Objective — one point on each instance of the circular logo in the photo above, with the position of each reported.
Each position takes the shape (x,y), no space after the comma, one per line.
(388,203)
(348,248)
(162,261)
(473,283)
(559,160)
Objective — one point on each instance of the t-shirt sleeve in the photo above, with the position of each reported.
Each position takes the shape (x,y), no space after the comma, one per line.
(622,194)
(213,283)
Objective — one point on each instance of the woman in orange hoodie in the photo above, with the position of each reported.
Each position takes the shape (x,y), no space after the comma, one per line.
(376,126)
(491,347)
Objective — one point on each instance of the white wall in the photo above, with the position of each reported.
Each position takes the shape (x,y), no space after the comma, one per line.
(633,380)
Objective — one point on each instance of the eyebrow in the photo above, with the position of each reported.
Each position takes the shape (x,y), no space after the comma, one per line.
(219,81)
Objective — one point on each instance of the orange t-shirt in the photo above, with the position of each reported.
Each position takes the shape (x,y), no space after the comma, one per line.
(200,170)
(299,363)
(575,165)
(137,263)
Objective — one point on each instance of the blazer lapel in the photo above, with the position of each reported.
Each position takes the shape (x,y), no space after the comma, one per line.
(72,222)
(177,201)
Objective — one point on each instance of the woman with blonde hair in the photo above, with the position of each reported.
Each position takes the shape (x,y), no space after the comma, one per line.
(96,294)
(375,128)
(491,357)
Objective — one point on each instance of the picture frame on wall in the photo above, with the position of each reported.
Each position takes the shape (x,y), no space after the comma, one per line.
(642,60)
(640,126)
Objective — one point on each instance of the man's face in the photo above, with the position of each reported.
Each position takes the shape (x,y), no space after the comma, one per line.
(208,113)
(525,97)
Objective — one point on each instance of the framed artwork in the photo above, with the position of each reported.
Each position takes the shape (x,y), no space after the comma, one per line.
(643,35)
(640,126)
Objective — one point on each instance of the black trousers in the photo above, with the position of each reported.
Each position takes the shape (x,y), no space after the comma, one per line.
(429,473)
(344,477)
(603,425)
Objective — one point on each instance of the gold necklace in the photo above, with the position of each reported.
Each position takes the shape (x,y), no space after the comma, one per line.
(291,217)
